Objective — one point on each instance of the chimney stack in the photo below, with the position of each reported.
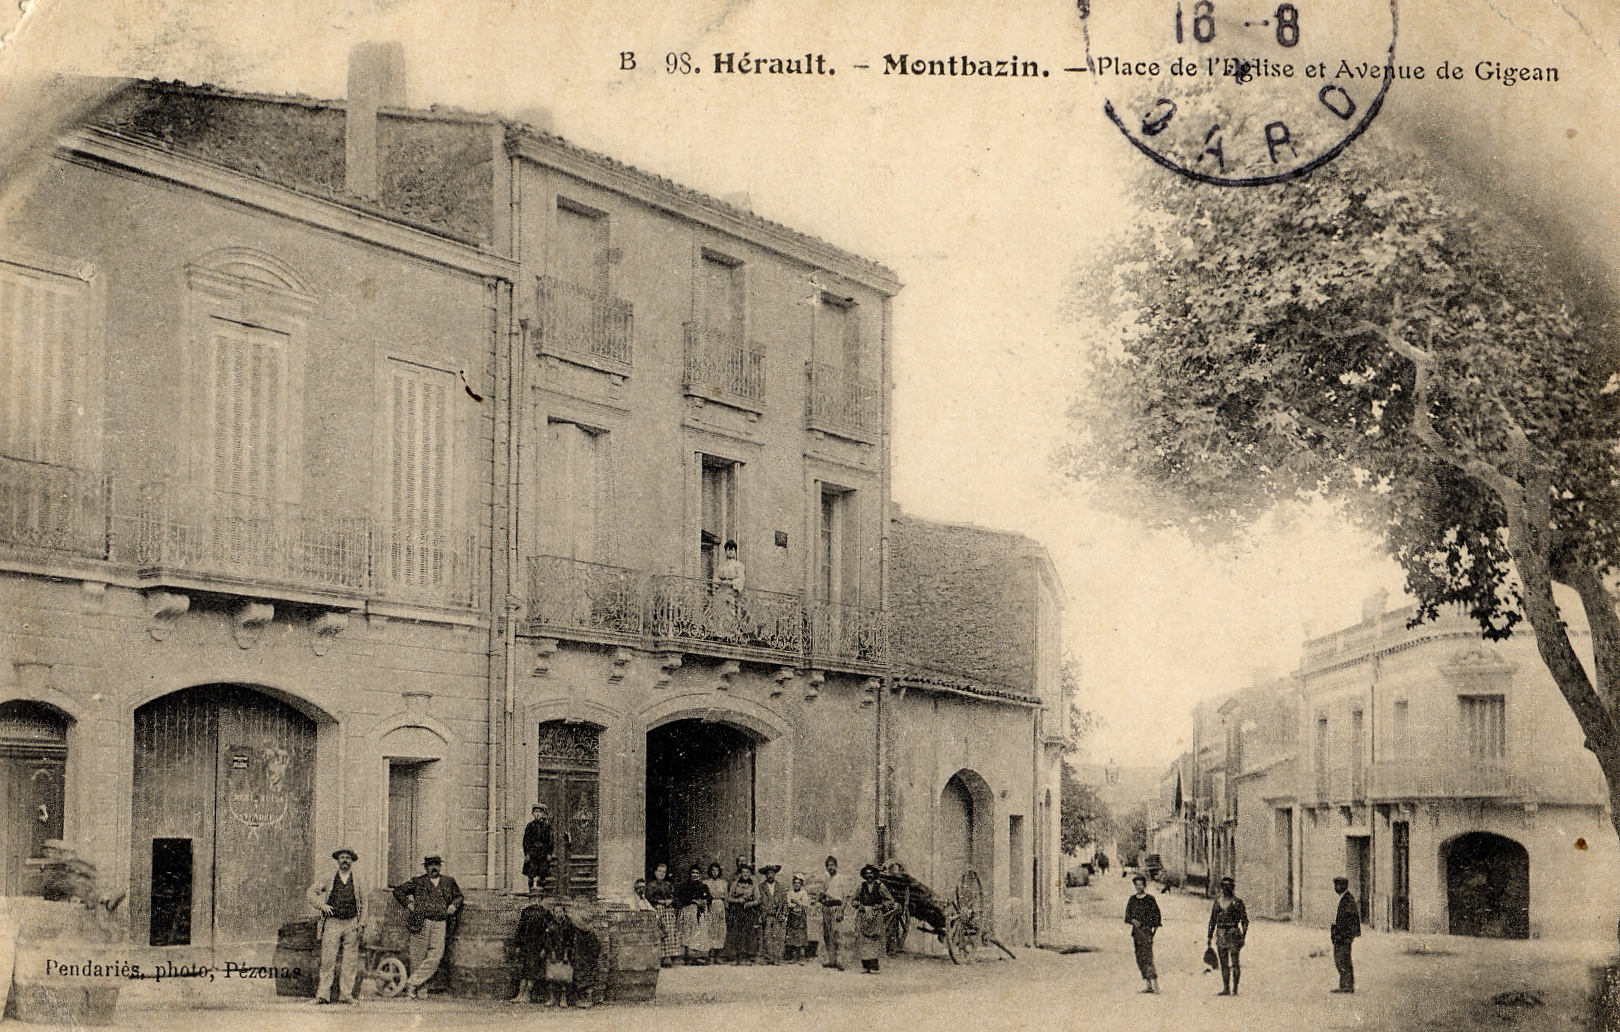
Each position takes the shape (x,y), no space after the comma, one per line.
(376,80)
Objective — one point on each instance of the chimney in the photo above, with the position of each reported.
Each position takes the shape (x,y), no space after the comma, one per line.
(739,199)
(1372,607)
(376,79)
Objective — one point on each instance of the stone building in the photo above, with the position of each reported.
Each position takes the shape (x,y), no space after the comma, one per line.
(978,719)
(367,475)
(1444,775)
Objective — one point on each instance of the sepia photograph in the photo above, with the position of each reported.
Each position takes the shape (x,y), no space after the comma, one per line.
(806,514)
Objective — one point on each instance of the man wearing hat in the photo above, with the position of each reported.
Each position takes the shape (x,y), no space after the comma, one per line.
(343,903)
(1346,926)
(537,847)
(431,900)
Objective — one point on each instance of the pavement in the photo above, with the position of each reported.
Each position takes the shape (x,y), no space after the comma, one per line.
(1404,982)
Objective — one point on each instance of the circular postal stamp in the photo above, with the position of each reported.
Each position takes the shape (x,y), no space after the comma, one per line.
(1241,92)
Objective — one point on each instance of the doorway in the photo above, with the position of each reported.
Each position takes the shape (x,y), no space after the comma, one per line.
(405,794)
(700,795)
(1358,862)
(171,892)
(568,784)
(1400,902)
(33,763)
(1487,886)
(224,775)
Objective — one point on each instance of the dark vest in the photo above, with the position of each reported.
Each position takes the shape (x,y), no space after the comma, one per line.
(341,899)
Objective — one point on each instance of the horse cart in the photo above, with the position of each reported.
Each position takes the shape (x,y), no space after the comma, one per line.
(962,923)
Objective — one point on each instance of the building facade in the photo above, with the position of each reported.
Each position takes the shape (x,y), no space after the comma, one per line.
(370,475)
(977,723)
(1444,775)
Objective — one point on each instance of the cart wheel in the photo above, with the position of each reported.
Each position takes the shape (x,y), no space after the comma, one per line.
(970,895)
(390,976)
(955,943)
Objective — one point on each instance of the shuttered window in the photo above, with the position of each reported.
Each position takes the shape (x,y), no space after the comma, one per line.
(1483,726)
(418,464)
(578,503)
(251,402)
(47,380)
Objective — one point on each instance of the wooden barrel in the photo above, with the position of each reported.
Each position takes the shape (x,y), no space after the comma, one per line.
(297,959)
(634,955)
(481,965)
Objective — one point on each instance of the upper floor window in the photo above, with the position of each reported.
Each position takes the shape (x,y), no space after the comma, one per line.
(837,554)
(577,493)
(420,551)
(580,256)
(838,332)
(719,513)
(1483,726)
(1400,722)
(720,302)
(49,371)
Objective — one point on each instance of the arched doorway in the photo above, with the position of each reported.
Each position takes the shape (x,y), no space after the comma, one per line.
(965,834)
(569,786)
(1487,886)
(33,761)
(222,812)
(700,794)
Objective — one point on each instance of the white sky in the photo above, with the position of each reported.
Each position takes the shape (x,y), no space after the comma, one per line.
(981,195)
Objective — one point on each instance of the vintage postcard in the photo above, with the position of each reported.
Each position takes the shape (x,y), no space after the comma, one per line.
(665,508)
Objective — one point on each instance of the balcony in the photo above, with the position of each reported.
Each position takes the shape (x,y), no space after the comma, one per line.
(689,611)
(841,633)
(1470,779)
(843,402)
(723,367)
(244,544)
(424,566)
(584,326)
(576,599)
(54,510)
(248,540)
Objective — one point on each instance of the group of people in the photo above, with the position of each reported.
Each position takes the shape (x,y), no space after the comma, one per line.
(754,918)
(432,902)
(1229,929)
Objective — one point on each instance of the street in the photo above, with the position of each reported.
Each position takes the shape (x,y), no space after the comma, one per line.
(1432,983)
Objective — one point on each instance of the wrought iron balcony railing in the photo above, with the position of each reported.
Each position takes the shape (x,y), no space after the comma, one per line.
(1464,778)
(417,564)
(54,509)
(842,631)
(576,320)
(571,595)
(721,362)
(843,401)
(248,538)
(693,610)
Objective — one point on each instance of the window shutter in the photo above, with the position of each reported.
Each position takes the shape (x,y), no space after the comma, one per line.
(44,321)
(419,442)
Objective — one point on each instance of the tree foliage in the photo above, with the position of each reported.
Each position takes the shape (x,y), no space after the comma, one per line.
(1369,336)
(1085,817)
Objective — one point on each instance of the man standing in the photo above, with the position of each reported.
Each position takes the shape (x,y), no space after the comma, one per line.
(537,847)
(832,912)
(1346,926)
(773,913)
(430,900)
(342,903)
(1142,914)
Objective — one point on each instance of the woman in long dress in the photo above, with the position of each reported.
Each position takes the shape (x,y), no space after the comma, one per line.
(714,918)
(872,906)
(661,894)
(799,904)
(742,916)
(691,900)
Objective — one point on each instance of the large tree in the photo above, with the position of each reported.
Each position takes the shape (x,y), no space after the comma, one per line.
(1370,336)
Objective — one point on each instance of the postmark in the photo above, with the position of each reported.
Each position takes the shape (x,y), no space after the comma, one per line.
(1241,92)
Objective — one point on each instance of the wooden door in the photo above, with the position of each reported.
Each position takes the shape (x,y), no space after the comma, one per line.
(568,785)
(30,814)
